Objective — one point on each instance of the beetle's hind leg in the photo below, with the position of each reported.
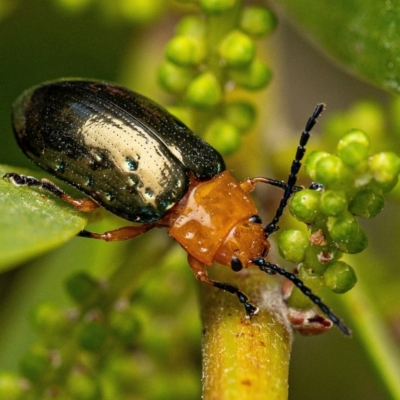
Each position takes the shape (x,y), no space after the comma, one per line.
(124,233)
(85,204)
(200,272)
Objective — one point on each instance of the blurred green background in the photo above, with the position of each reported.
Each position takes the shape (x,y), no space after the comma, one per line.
(42,40)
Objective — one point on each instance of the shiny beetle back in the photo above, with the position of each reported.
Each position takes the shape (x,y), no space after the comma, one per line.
(118,147)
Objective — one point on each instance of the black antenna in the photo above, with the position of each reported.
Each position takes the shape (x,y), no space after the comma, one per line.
(269,268)
(296,164)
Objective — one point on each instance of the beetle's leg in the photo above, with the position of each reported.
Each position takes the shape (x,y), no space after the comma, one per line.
(267,267)
(124,233)
(200,272)
(85,204)
(249,184)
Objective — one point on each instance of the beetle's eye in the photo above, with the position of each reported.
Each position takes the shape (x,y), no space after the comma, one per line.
(236,264)
(256,219)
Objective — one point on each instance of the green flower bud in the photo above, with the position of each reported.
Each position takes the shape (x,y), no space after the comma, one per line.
(304,205)
(254,77)
(293,245)
(347,234)
(125,372)
(126,325)
(333,202)
(216,6)
(141,11)
(237,49)
(185,51)
(49,319)
(353,148)
(385,168)
(223,136)
(92,335)
(204,91)
(317,258)
(82,387)
(175,79)
(367,204)
(257,21)
(330,171)
(36,364)
(340,277)
(83,288)
(312,161)
(241,114)
(10,387)
(191,25)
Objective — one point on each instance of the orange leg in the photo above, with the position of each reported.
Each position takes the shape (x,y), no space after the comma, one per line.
(249,184)
(85,204)
(200,272)
(124,233)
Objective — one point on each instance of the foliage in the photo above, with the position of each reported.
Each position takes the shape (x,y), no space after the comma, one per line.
(120,320)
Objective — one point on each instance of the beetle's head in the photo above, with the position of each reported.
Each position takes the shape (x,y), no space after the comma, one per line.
(245,242)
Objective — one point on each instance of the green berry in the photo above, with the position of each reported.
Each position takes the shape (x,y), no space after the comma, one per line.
(256,76)
(141,11)
(49,320)
(330,171)
(317,258)
(126,325)
(204,91)
(385,168)
(191,25)
(340,277)
(175,79)
(223,136)
(10,387)
(367,204)
(333,202)
(353,148)
(83,288)
(216,6)
(185,51)
(35,364)
(92,335)
(257,21)
(347,233)
(293,245)
(312,161)
(241,114)
(82,387)
(304,205)
(237,49)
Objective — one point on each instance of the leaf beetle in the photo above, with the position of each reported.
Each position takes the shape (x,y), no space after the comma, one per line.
(132,157)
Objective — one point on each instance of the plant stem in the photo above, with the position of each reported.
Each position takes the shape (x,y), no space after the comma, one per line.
(245,359)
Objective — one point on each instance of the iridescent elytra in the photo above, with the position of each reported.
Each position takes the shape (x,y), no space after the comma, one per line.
(132,157)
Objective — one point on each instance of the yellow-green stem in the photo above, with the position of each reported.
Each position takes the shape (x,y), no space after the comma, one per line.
(245,359)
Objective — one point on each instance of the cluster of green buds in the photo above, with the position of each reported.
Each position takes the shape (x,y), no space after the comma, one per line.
(111,348)
(211,54)
(354,183)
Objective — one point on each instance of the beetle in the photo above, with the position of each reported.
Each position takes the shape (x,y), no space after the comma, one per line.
(132,157)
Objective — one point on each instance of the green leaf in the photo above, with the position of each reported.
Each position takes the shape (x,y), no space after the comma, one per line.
(364,35)
(32,222)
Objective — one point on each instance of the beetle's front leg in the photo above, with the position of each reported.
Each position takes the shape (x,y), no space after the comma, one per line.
(85,204)
(249,184)
(200,272)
